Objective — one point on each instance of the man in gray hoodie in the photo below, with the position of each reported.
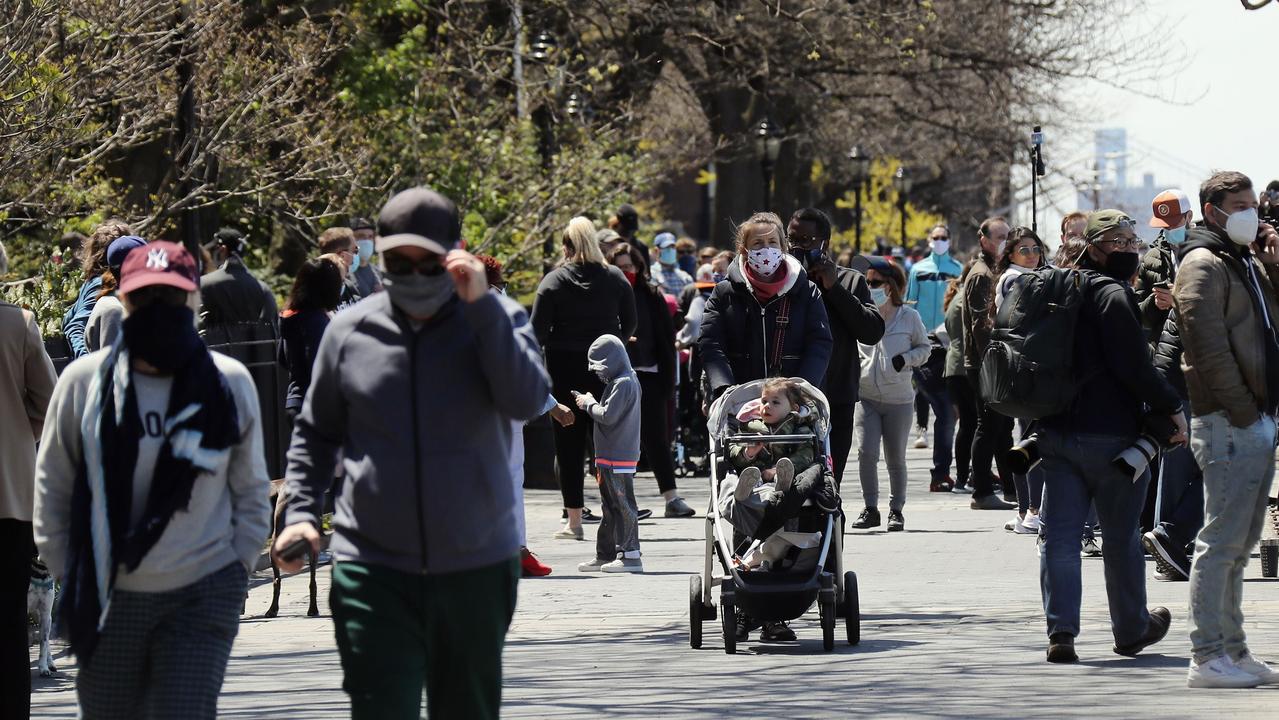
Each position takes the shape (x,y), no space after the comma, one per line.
(425,538)
(617,450)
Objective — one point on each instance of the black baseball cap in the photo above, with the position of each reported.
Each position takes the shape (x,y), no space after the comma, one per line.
(229,237)
(360,223)
(419,217)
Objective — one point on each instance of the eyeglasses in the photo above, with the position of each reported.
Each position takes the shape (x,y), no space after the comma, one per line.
(1122,243)
(1029,250)
(397,265)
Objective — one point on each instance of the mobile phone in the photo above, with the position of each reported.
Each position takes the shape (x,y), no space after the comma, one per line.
(295,550)
(1163,285)
(576,394)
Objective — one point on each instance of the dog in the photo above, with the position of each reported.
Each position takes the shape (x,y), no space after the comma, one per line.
(280,502)
(40,595)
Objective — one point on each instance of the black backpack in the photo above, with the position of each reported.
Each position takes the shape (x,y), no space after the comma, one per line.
(1026,370)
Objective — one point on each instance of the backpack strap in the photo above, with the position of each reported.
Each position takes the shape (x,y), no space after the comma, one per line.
(779,334)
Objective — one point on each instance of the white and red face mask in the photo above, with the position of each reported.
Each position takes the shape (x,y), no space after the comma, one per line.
(764,261)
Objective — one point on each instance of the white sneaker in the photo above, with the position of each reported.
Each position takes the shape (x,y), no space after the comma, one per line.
(623,565)
(1219,673)
(595,565)
(1012,525)
(569,533)
(1253,666)
(921,439)
(1032,522)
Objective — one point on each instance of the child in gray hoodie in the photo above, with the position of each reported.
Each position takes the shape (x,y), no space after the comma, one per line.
(617,449)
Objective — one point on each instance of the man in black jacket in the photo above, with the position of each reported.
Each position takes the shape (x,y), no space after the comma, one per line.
(1171,214)
(853,319)
(1080,447)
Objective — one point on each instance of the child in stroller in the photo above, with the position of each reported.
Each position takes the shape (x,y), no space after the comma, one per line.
(774,479)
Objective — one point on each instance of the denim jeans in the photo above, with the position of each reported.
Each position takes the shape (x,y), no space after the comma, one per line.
(1181,496)
(932,388)
(1077,472)
(1238,465)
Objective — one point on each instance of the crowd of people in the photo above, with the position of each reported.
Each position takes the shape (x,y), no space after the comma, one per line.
(148,499)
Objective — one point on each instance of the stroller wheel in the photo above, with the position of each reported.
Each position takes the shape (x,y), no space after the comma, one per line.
(728,616)
(852,608)
(826,612)
(695,611)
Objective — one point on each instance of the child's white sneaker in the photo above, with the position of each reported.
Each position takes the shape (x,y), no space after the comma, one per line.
(623,565)
(1253,666)
(746,482)
(785,475)
(1220,672)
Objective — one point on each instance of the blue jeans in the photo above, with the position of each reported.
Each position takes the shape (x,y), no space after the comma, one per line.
(1077,472)
(1238,466)
(932,388)
(1181,496)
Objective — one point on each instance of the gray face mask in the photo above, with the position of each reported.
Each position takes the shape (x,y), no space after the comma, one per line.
(419,296)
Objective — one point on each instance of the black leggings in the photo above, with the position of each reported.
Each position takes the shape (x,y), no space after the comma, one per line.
(17,548)
(655,434)
(993,438)
(568,372)
(841,437)
(961,393)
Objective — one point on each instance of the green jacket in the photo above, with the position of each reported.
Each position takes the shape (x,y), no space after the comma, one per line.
(800,454)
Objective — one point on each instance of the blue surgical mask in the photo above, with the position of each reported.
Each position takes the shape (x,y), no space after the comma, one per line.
(879,296)
(1175,236)
(366,250)
(668,255)
(355,261)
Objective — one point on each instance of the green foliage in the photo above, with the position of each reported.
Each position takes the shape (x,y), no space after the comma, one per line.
(881,214)
(49,293)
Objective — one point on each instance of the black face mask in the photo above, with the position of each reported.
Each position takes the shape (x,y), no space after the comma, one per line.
(162,335)
(1121,265)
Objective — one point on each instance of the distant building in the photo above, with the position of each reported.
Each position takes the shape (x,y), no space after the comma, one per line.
(1110,189)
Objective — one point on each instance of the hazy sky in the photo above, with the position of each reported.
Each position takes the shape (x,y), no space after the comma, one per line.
(1222,115)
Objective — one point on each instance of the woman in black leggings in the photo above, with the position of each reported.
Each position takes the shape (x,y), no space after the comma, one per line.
(652,354)
(961,392)
(576,303)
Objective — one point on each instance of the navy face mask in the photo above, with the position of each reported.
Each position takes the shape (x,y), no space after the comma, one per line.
(807,258)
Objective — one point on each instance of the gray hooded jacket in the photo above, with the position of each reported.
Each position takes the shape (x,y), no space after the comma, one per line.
(617,414)
(422,420)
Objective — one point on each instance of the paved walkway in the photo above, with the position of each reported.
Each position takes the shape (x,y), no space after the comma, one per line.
(952,627)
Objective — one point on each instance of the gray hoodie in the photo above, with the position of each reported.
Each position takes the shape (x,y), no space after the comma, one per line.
(422,419)
(617,414)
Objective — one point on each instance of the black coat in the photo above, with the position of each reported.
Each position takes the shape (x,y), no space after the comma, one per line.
(578,302)
(1157,266)
(739,334)
(1168,356)
(237,307)
(853,319)
(655,331)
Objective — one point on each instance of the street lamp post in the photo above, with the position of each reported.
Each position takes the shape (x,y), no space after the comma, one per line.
(902,183)
(768,145)
(861,170)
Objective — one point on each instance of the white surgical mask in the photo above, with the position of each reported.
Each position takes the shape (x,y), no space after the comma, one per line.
(764,261)
(940,247)
(1241,226)
(879,296)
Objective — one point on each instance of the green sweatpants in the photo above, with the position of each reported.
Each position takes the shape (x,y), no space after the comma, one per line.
(398,632)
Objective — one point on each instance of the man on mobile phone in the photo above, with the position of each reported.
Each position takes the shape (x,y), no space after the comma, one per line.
(425,541)
(1229,327)
(1172,213)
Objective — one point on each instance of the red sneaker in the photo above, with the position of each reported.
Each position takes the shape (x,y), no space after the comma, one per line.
(531,566)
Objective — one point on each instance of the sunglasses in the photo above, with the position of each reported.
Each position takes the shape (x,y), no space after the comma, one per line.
(1029,250)
(397,265)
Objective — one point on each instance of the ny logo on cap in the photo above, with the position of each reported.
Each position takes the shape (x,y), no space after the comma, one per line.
(158,259)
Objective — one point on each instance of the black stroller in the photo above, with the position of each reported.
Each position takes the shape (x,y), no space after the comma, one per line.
(815,572)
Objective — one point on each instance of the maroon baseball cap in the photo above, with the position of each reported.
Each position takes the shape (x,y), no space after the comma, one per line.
(159,263)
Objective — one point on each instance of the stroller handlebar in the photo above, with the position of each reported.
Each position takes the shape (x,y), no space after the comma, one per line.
(766,439)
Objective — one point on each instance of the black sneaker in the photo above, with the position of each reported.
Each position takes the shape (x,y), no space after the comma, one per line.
(1061,648)
(744,626)
(587,515)
(641,514)
(776,632)
(1170,560)
(868,519)
(896,522)
(1156,629)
